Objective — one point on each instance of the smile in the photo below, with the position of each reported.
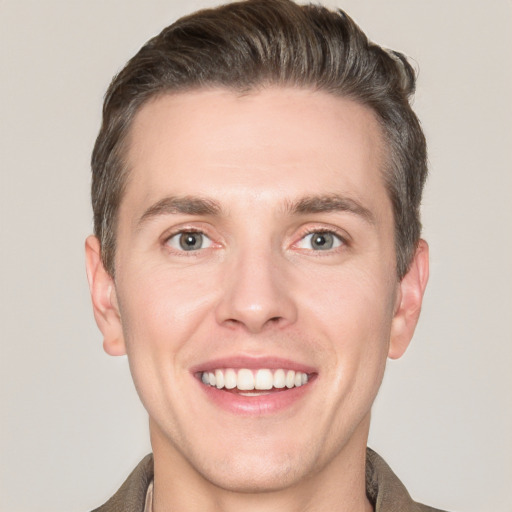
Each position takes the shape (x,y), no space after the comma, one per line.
(262,379)
(255,386)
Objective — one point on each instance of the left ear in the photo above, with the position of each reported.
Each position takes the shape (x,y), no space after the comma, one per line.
(410,296)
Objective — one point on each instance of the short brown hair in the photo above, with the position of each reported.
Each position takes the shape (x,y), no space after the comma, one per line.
(251,44)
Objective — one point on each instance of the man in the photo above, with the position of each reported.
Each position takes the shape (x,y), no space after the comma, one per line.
(257,255)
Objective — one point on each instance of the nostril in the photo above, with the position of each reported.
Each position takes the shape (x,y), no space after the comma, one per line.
(253,326)
(233,322)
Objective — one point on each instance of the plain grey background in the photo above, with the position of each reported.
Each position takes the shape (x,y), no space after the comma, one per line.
(71,424)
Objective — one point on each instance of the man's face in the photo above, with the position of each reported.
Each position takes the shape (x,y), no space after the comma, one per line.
(255,241)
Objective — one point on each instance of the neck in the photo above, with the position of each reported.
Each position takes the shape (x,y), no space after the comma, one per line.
(339,485)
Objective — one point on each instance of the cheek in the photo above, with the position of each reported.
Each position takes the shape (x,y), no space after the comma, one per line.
(349,299)
(161,312)
(164,300)
(353,313)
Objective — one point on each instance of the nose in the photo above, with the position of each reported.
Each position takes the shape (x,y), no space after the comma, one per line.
(256,293)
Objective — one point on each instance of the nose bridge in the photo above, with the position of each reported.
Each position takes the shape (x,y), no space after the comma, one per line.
(254,292)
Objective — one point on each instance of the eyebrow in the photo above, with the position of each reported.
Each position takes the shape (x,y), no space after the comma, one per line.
(185,205)
(330,203)
(192,205)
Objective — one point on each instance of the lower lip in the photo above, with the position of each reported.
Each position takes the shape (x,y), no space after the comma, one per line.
(258,405)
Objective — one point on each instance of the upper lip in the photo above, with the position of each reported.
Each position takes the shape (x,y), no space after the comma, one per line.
(252,363)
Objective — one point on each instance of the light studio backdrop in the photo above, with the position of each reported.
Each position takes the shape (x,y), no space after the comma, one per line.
(71,423)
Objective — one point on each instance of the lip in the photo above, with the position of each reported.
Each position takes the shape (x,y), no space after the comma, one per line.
(260,405)
(252,363)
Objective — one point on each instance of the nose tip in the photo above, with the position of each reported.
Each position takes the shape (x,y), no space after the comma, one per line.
(255,297)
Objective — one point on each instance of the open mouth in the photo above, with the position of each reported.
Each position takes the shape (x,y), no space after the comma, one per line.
(253,382)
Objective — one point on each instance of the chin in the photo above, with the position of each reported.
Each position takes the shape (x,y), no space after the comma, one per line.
(254,475)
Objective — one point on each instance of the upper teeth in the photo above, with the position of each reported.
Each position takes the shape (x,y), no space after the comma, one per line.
(246,380)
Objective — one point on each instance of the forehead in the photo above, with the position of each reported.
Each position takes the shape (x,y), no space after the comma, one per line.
(266,145)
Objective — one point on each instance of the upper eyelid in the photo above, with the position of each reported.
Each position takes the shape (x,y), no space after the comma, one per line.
(177,230)
(185,231)
(180,231)
(322,230)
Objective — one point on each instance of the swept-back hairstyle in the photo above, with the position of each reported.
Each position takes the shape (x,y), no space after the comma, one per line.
(256,43)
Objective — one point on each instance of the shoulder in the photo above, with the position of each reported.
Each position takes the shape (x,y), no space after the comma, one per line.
(386,491)
(131,496)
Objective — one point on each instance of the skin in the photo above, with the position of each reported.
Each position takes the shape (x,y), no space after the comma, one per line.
(257,287)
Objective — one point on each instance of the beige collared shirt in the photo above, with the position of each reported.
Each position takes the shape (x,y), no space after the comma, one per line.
(148,506)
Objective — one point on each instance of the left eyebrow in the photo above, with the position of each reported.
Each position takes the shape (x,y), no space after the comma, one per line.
(330,203)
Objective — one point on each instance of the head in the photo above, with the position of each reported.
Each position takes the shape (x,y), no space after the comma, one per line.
(256,188)
(246,46)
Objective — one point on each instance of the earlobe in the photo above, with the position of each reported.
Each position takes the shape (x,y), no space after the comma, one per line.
(104,299)
(410,298)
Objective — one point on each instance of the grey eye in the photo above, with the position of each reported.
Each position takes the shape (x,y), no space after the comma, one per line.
(320,241)
(189,241)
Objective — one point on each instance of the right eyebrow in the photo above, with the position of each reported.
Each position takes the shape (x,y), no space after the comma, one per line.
(186,205)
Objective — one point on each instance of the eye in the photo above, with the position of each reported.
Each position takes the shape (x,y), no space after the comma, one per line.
(189,241)
(320,241)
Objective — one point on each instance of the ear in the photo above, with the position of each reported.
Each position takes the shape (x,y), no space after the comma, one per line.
(409,299)
(104,299)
